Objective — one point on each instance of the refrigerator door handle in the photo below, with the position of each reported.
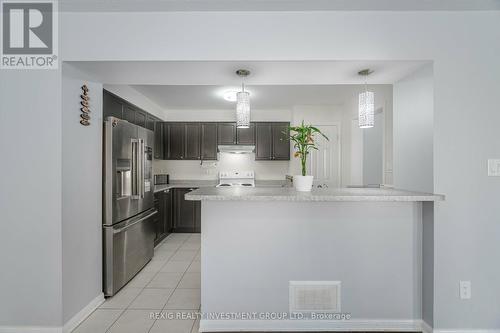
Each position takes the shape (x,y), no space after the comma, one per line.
(122,229)
(135,169)
(143,167)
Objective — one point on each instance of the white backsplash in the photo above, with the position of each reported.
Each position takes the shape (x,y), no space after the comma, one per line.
(264,170)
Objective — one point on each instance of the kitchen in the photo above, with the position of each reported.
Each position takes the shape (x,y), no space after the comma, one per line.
(196,145)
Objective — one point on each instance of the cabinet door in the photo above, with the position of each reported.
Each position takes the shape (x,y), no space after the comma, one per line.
(184,216)
(112,107)
(175,141)
(209,141)
(140,118)
(192,141)
(281,141)
(197,216)
(226,133)
(263,141)
(159,218)
(150,122)
(169,212)
(129,113)
(159,149)
(246,136)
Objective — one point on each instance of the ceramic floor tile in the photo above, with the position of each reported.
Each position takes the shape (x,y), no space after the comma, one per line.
(141,279)
(195,267)
(175,266)
(196,326)
(163,254)
(172,326)
(151,299)
(99,321)
(165,280)
(190,280)
(184,255)
(154,266)
(197,257)
(133,321)
(190,246)
(184,299)
(122,299)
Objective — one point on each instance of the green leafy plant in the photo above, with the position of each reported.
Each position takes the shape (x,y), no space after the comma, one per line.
(303,142)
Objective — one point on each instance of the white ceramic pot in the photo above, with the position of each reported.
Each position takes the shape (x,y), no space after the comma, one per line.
(303,183)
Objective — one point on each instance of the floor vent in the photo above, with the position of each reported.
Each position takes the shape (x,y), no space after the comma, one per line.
(314,296)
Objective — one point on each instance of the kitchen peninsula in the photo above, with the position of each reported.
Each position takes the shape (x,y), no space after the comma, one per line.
(378,243)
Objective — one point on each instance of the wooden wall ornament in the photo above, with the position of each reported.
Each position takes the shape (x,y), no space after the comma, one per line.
(84,103)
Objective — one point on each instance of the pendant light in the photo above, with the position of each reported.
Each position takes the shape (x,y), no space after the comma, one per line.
(366,113)
(243,102)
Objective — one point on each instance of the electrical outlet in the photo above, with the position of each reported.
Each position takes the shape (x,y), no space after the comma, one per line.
(465,290)
(494,168)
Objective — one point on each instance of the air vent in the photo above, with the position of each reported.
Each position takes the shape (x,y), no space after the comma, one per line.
(314,296)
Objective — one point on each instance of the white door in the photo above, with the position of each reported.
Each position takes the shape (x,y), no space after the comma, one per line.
(324,163)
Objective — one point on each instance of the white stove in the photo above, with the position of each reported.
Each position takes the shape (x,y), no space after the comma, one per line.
(236,178)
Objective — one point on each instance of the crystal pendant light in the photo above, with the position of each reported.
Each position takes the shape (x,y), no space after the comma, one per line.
(243,103)
(366,114)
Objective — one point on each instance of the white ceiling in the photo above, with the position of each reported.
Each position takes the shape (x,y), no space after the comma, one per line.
(262,72)
(261,96)
(276,5)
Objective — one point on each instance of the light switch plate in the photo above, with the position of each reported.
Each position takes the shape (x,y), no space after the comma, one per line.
(465,290)
(494,167)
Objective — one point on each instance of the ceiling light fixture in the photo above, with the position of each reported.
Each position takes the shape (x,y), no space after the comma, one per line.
(366,113)
(242,102)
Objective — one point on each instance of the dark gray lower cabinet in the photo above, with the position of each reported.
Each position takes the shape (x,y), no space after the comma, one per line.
(187,214)
(163,220)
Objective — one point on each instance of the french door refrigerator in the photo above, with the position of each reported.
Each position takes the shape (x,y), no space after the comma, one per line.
(128,209)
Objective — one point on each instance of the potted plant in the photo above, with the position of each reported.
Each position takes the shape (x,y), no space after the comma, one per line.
(303,142)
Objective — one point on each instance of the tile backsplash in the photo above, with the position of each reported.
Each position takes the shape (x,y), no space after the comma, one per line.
(264,170)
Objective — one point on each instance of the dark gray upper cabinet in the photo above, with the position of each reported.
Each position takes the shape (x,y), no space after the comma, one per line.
(271,141)
(140,118)
(245,136)
(129,114)
(159,152)
(281,141)
(209,141)
(112,107)
(192,141)
(263,141)
(174,143)
(226,133)
(150,122)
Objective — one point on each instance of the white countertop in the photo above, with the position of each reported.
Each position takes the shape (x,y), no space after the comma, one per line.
(290,194)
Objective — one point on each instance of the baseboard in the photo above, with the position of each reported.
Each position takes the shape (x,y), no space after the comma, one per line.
(465,331)
(83,314)
(30,329)
(426,328)
(308,325)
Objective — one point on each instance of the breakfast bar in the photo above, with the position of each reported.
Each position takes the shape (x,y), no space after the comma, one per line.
(258,244)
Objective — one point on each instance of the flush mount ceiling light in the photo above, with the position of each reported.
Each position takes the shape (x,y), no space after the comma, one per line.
(366,114)
(242,102)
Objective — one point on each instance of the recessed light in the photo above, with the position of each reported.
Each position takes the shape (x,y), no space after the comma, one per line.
(230,95)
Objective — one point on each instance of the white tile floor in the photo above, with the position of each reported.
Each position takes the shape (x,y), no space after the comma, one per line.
(169,284)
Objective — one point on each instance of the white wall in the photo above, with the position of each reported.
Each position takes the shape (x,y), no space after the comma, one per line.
(413,131)
(466,74)
(81,195)
(133,96)
(30,198)
(463,46)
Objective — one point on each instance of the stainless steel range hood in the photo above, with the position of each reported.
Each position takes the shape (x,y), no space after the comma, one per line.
(236,149)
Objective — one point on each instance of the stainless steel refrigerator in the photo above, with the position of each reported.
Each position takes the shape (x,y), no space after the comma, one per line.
(128,210)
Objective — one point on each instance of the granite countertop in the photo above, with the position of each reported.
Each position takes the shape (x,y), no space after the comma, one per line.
(275,193)
(186,184)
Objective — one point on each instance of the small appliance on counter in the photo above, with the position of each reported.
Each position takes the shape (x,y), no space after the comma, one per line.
(236,178)
(162,179)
